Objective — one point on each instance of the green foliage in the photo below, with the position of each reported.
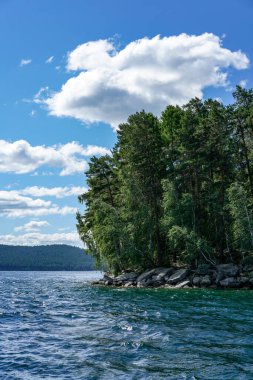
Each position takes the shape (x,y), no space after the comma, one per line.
(240,208)
(141,170)
(175,189)
(189,247)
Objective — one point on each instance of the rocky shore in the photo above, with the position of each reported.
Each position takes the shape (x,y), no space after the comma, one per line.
(220,276)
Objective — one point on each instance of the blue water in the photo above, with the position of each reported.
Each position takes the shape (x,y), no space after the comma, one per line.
(54,325)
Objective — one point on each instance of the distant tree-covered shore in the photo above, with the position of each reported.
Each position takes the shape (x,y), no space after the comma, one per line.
(178,189)
(45,258)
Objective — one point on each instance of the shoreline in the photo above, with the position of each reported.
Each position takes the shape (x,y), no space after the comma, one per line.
(223,276)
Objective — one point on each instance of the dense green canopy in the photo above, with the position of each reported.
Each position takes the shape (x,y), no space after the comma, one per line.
(175,189)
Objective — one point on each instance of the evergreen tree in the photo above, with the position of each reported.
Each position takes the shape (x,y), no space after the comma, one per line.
(142,167)
(178,189)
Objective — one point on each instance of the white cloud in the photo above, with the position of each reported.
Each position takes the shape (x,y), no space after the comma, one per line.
(39,96)
(15,205)
(32,226)
(54,210)
(243,83)
(36,238)
(32,113)
(147,74)
(20,157)
(50,59)
(58,192)
(25,62)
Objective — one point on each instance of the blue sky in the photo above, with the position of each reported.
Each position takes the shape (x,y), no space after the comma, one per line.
(60,104)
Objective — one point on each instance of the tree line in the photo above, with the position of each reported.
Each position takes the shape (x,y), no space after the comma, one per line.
(176,189)
(44,258)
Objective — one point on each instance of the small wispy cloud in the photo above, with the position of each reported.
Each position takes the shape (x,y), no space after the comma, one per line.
(32,113)
(50,59)
(15,205)
(38,97)
(58,192)
(243,83)
(37,238)
(25,62)
(32,226)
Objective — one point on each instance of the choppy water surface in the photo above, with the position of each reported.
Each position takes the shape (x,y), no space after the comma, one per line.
(56,326)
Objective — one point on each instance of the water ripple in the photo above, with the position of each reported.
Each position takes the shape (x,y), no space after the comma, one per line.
(56,326)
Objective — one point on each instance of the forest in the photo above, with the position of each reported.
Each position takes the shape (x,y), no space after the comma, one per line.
(44,257)
(176,189)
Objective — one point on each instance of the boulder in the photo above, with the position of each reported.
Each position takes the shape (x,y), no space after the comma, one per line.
(153,277)
(125,277)
(128,284)
(142,278)
(158,279)
(178,276)
(243,280)
(247,268)
(130,276)
(213,275)
(182,284)
(226,270)
(229,282)
(205,281)
(107,280)
(161,273)
(196,280)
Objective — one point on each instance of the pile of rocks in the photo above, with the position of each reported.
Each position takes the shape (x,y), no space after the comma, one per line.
(220,276)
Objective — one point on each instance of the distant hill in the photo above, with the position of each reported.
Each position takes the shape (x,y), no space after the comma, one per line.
(44,257)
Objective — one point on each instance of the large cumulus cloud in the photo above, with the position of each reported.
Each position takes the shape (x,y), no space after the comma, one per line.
(146,74)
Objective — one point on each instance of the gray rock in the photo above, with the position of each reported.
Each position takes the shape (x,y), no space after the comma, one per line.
(142,284)
(145,275)
(159,278)
(182,284)
(125,277)
(156,283)
(196,281)
(213,275)
(205,281)
(107,280)
(162,273)
(153,277)
(243,280)
(178,276)
(247,268)
(129,284)
(226,270)
(230,282)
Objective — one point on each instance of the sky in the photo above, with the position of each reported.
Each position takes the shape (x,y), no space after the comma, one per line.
(72,70)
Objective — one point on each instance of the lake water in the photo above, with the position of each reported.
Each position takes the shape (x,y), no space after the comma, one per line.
(54,325)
